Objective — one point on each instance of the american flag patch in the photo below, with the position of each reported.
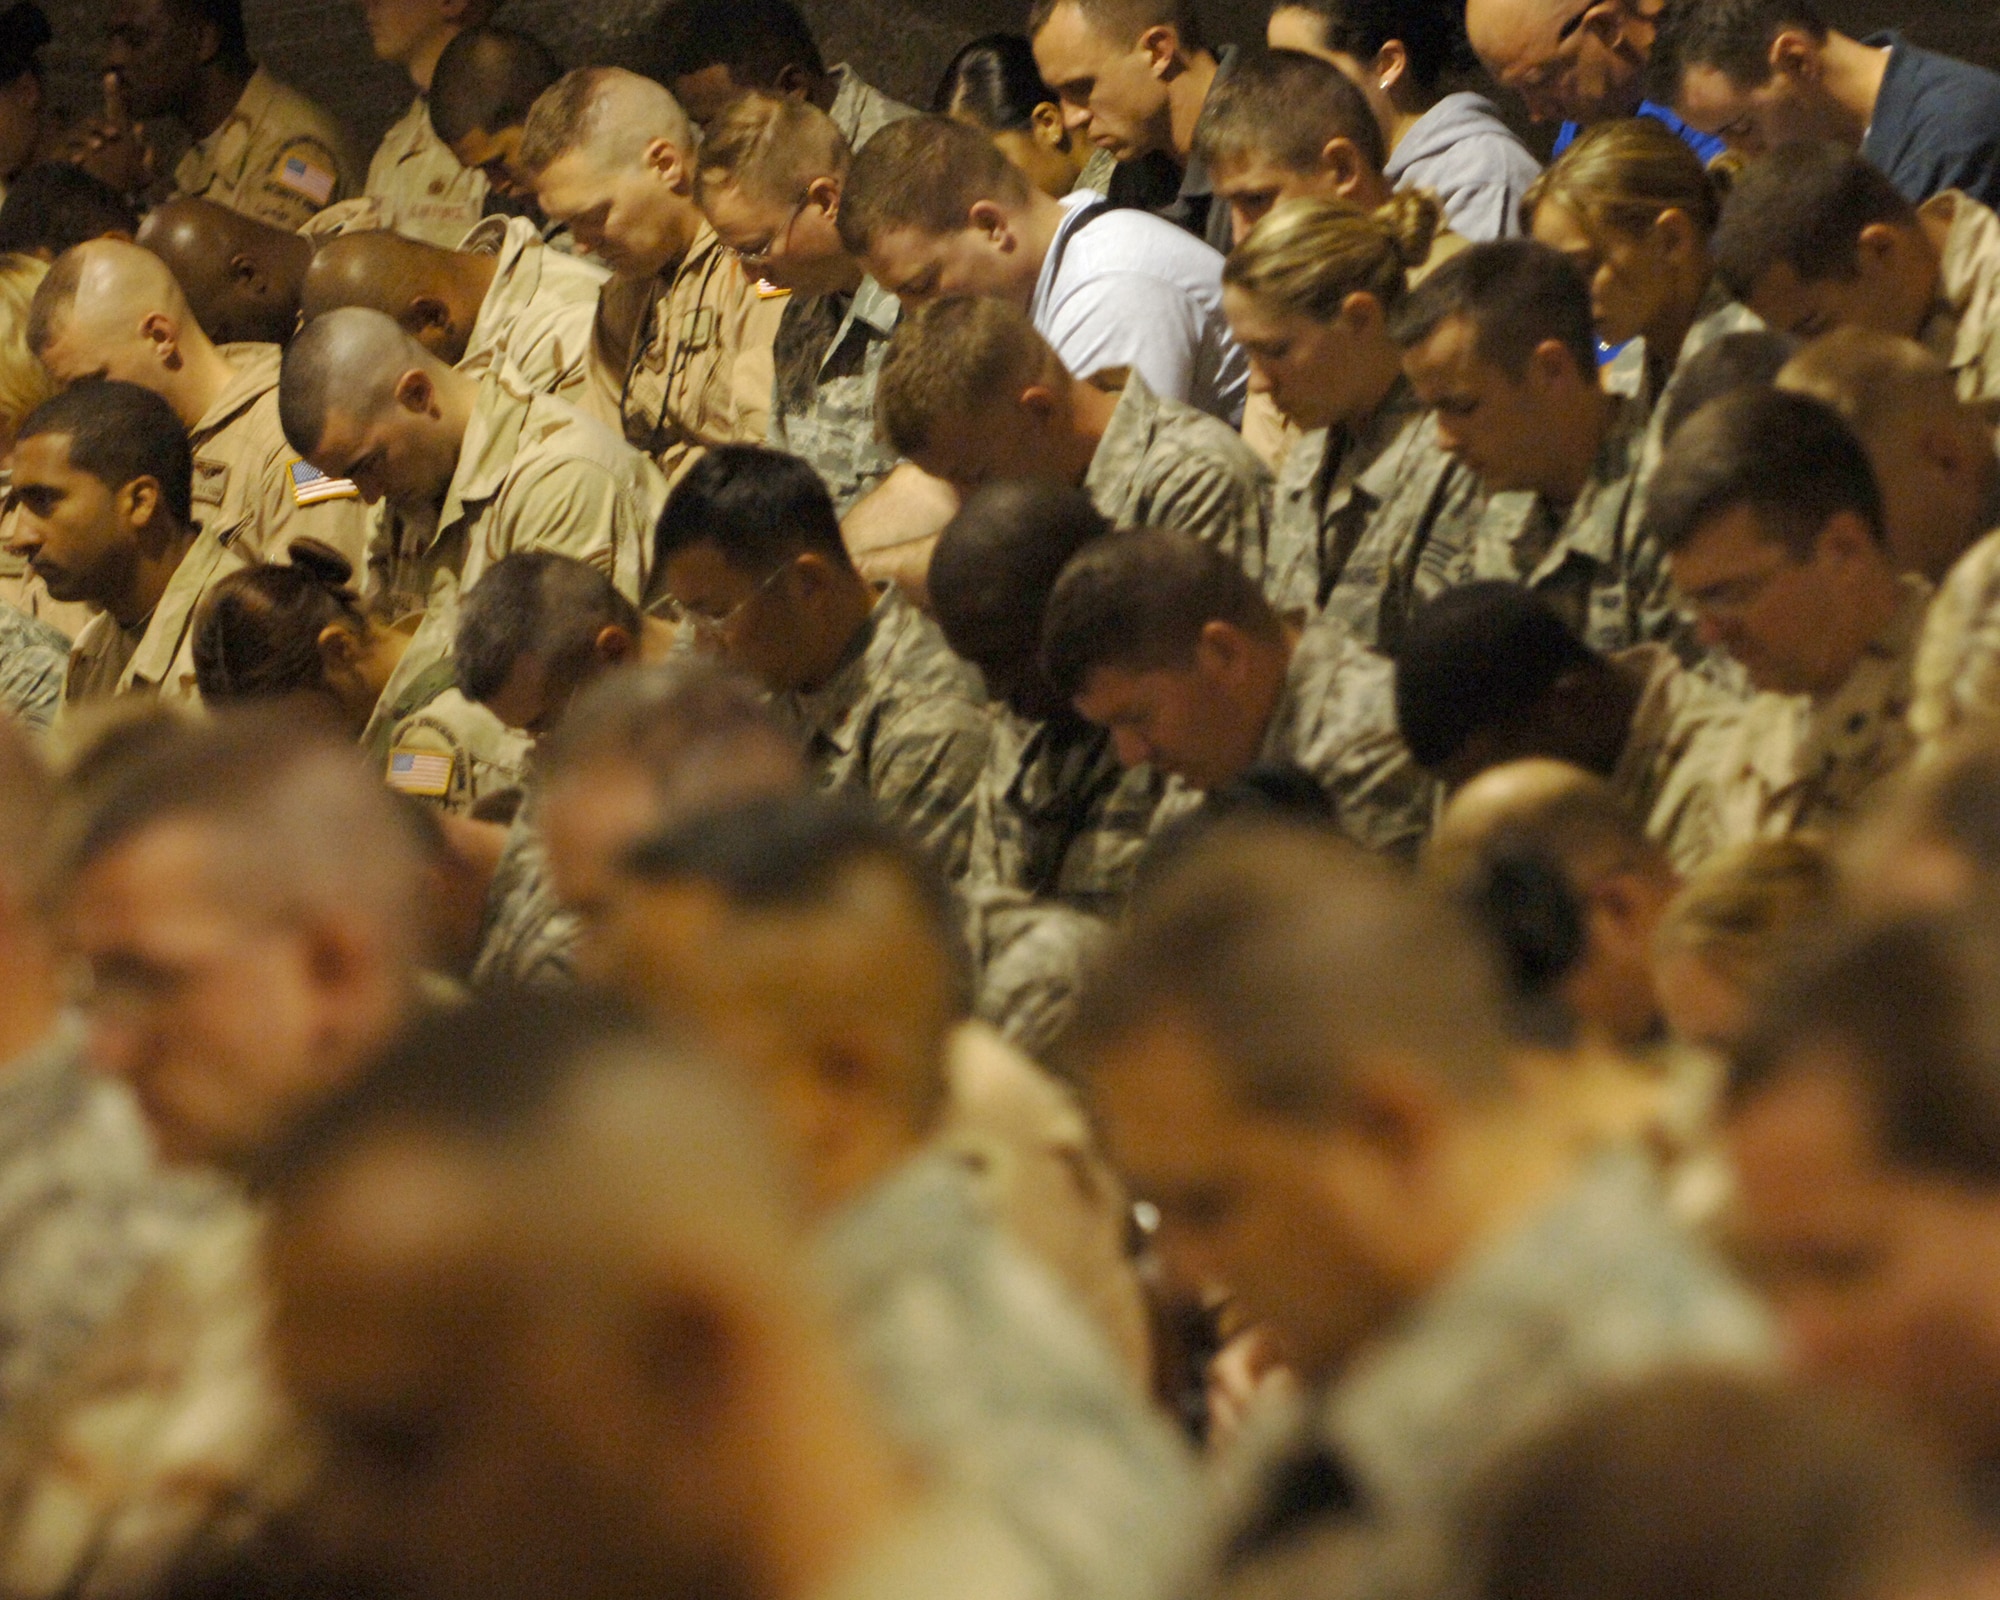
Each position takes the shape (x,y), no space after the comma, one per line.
(420,772)
(310,486)
(302,177)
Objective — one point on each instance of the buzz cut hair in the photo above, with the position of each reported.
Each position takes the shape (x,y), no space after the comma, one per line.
(1124,20)
(614,113)
(771,146)
(1137,600)
(1517,295)
(954,358)
(538,605)
(488,80)
(55,298)
(1288,107)
(350,358)
(1733,37)
(758,507)
(1790,459)
(120,433)
(927,173)
(1803,206)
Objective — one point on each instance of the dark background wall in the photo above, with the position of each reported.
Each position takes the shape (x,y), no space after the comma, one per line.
(901,45)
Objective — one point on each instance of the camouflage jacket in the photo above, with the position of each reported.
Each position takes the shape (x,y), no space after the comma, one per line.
(1336,720)
(992,1373)
(1964,326)
(1360,521)
(903,722)
(527,938)
(1957,674)
(1663,772)
(34,659)
(1163,464)
(829,418)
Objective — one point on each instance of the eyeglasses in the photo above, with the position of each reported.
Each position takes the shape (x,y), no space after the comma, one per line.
(709,625)
(759,256)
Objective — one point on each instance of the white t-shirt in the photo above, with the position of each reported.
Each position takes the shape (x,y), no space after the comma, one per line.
(1127,289)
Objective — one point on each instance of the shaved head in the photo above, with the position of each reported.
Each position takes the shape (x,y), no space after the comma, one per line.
(241,277)
(607,114)
(1511,33)
(432,294)
(101,292)
(1568,60)
(354,357)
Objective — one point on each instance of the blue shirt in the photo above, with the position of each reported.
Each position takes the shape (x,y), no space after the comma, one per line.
(1705,145)
(1937,124)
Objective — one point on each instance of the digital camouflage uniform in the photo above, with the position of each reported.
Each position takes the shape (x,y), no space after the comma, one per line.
(860,110)
(277,157)
(1362,523)
(904,723)
(427,739)
(1598,1287)
(1964,328)
(1956,682)
(1336,721)
(1662,773)
(84,1212)
(534,473)
(528,938)
(1786,763)
(830,423)
(540,312)
(156,658)
(168,1436)
(252,490)
(1591,564)
(1002,1385)
(1162,464)
(699,370)
(34,659)
(421,188)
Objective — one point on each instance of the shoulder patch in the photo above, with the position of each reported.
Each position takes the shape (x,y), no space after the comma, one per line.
(305,176)
(425,773)
(310,486)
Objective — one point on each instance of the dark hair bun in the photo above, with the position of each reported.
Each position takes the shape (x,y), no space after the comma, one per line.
(321,562)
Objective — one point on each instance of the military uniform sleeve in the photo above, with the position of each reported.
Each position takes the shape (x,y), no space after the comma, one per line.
(298,501)
(456,755)
(576,508)
(1957,674)
(923,771)
(302,179)
(1223,499)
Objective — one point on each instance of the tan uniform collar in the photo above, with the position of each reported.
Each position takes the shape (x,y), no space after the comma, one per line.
(167,629)
(492,438)
(256,368)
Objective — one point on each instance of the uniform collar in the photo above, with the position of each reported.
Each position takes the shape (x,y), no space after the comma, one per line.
(830,711)
(1127,437)
(207,559)
(256,369)
(492,438)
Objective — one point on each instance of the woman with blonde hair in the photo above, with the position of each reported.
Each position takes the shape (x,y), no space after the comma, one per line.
(1634,208)
(1309,293)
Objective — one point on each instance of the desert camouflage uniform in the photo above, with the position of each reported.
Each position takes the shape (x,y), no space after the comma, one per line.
(168,1437)
(1964,328)
(1005,1388)
(1162,464)
(1336,721)
(859,110)
(1957,677)
(83,1210)
(1609,585)
(540,313)
(833,427)
(699,371)
(277,157)
(252,490)
(1662,773)
(156,658)
(1787,763)
(34,659)
(904,722)
(534,473)
(1359,519)
(420,186)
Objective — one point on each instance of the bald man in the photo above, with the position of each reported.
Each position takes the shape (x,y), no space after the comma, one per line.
(504,297)
(111,309)
(467,467)
(1932,452)
(421,187)
(241,276)
(1575,64)
(684,333)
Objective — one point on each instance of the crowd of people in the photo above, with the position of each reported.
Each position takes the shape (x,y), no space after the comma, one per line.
(1176,834)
